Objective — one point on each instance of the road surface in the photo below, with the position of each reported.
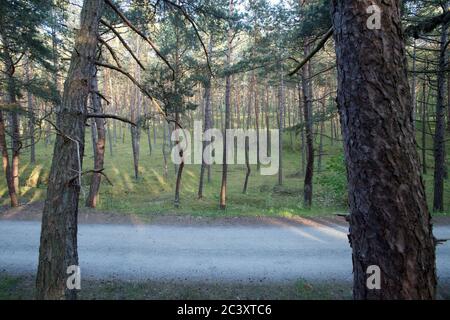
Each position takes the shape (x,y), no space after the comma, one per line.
(278,252)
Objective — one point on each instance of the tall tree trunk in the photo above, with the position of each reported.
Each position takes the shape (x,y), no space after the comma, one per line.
(308,120)
(31,113)
(413,85)
(302,128)
(321,133)
(439,135)
(281,102)
(223,188)
(164,145)
(6,164)
(207,120)
(251,96)
(267,114)
(99,154)
(390,223)
(14,119)
(58,245)
(258,165)
(424,117)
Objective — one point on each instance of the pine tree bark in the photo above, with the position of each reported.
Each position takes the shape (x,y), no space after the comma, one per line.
(58,244)
(389,222)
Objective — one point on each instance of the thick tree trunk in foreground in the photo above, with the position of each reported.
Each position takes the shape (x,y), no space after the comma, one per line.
(389,223)
(58,247)
(99,147)
(439,134)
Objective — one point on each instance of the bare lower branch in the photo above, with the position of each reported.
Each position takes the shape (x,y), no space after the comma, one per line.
(99,171)
(314,51)
(124,43)
(101,96)
(109,116)
(111,51)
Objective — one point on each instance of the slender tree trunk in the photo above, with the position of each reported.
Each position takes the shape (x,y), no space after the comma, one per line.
(308,120)
(322,125)
(424,104)
(31,114)
(439,135)
(258,165)
(302,128)
(207,121)
(223,188)
(147,130)
(413,85)
(390,225)
(251,96)
(164,144)
(281,103)
(14,120)
(58,245)
(99,154)
(110,140)
(6,164)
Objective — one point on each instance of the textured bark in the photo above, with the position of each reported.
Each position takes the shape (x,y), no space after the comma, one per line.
(58,244)
(439,134)
(99,147)
(389,222)
(308,120)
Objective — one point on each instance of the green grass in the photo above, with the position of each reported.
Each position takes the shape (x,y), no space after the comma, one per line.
(152,194)
(22,287)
